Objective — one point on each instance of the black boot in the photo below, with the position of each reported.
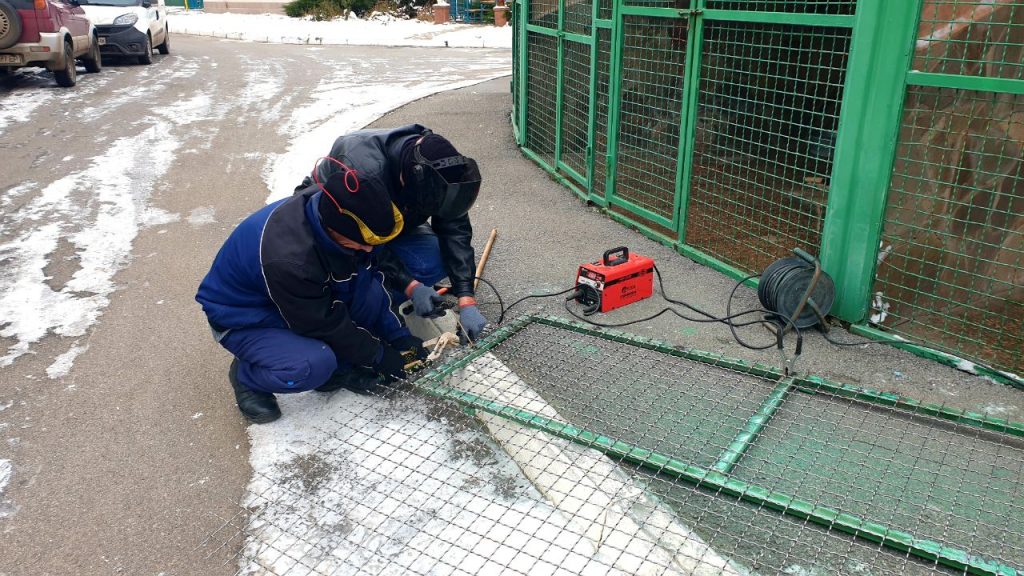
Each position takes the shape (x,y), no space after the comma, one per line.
(259,407)
(356,380)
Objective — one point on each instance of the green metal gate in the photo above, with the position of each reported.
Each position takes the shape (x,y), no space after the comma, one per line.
(737,130)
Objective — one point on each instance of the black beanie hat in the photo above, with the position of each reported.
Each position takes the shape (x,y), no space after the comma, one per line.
(432,147)
(371,206)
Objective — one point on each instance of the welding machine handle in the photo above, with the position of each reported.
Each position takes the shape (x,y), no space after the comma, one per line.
(620,260)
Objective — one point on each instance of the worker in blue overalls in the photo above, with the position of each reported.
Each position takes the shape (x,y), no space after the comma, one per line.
(434,187)
(296,296)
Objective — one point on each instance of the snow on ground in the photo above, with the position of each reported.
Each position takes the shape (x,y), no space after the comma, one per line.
(341,482)
(352,484)
(377,30)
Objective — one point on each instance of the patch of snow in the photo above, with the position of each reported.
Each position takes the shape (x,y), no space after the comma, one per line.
(197,415)
(6,470)
(202,215)
(280,29)
(5,406)
(966,366)
(362,483)
(62,364)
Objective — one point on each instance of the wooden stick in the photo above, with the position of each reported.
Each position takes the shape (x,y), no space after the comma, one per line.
(483,258)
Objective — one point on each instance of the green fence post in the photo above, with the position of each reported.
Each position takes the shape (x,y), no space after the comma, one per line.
(880,55)
(522,17)
(614,101)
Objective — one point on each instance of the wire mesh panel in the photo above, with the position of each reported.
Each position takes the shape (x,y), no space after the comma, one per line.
(602,95)
(951,269)
(799,6)
(579,16)
(544,12)
(972,38)
(653,66)
(554,449)
(946,483)
(768,114)
(542,95)
(575,106)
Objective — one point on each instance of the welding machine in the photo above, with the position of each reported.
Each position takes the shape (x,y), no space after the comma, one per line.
(618,279)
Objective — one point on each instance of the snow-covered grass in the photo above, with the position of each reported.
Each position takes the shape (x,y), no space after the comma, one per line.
(378,30)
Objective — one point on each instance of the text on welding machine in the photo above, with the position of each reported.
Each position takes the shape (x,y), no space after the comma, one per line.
(618,279)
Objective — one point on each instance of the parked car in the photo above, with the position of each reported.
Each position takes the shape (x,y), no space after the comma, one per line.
(50,34)
(130,27)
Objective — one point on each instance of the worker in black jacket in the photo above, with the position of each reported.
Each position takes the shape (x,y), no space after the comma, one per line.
(295,296)
(427,179)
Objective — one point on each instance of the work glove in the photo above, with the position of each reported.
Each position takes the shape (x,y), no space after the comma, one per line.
(473,322)
(391,365)
(406,343)
(425,300)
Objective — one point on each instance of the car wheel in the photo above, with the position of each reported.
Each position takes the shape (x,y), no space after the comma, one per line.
(94,62)
(147,52)
(67,76)
(165,48)
(10,25)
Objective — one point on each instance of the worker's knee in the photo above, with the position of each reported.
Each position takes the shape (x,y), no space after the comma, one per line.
(279,361)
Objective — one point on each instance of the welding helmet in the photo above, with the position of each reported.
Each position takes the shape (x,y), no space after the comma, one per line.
(444,182)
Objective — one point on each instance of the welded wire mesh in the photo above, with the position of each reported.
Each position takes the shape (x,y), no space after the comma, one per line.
(578,16)
(653,67)
(542,95)
(952,255)
(575,106)
(544,12)
(972,38)
(562,451)
(766,128)
(797,6)
(601,110)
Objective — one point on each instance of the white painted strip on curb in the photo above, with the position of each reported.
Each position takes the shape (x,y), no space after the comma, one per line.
(626,525)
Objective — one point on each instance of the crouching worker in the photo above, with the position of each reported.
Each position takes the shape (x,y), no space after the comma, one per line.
(428,180)
(294,294)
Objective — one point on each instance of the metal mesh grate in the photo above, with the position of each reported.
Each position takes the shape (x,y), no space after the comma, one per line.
(542,95)
(798,6)
(601,108)
(972,38)
(569,451)
(575,106)
(951,269)
(544,12)
(766,129)
(653,66)
(578,17)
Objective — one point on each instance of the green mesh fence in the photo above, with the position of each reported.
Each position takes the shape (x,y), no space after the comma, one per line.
(951,269)
(738,130)
(575,127)
(767,119)
(653,67)
(553,448)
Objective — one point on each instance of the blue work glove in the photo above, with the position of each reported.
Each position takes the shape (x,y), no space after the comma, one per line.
(472,321)
(425,300)
(391,365)
(406,343)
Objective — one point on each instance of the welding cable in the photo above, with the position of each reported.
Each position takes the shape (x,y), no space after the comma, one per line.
(773,326)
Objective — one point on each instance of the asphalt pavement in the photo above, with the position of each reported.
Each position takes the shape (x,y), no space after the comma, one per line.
(133,472)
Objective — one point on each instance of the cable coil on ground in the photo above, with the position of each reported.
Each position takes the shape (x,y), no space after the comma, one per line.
(796,288)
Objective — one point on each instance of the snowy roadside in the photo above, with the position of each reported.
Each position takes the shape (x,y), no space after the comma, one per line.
(378,30)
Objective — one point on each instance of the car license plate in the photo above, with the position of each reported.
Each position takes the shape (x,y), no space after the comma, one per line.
(102,41)
(10,59)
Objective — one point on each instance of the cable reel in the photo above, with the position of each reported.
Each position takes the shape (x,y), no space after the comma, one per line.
(795,288)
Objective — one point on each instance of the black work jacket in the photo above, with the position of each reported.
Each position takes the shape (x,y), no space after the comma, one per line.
(376,155)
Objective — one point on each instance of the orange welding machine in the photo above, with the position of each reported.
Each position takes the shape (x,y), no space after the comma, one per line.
(618,279)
